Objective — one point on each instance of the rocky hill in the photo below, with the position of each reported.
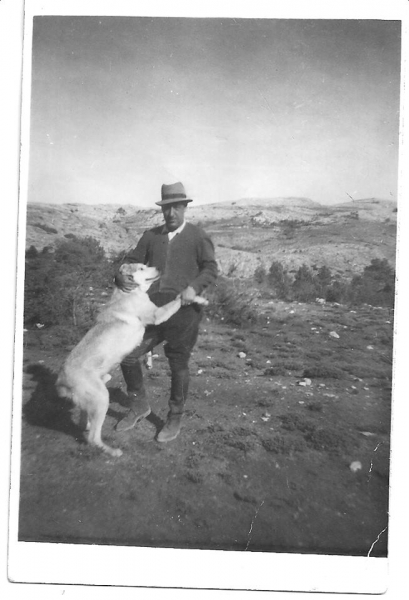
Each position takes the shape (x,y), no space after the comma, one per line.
(247,233)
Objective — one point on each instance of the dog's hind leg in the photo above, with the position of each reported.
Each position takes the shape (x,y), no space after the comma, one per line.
(83,422)
(97,410)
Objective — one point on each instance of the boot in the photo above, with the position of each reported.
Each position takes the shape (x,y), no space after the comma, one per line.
(139,407)
(178,394)
(171,429)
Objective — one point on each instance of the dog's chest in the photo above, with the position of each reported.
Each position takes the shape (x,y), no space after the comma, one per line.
(134,308)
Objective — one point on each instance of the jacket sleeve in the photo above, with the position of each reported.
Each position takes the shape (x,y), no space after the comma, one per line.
(208,270)
(140,253)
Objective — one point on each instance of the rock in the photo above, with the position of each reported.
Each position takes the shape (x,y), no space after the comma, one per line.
(355,466)
(369,347)
(305,382)
(334,334)
(242,355)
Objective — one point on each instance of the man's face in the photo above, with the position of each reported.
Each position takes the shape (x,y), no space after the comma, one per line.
(174,214)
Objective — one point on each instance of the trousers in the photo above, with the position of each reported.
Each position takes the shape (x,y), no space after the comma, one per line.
(180,333)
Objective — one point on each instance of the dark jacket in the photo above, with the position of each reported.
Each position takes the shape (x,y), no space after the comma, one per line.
(187,260)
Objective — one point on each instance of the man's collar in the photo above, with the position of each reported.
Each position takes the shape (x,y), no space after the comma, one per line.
(173,233)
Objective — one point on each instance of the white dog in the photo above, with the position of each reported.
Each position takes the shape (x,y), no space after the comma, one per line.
(119,328)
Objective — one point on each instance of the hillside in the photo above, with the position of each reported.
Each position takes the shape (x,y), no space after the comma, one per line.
(246,233)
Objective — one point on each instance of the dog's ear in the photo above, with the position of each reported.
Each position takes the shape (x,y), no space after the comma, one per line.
(127,269)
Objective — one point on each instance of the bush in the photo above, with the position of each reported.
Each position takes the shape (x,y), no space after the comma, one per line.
(232,302)
(324,277)
(375,285)
(260,275)
(289,226)
(337,292)
(57,284)
(32,252)
(279,280)
(305,287)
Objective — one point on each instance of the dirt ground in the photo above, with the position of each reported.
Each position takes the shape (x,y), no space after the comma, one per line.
(263,462)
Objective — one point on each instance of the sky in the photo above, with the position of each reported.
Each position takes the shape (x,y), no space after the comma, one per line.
(233,108)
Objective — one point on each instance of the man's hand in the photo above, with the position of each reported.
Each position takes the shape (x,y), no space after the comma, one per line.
(187,296)
(125,283)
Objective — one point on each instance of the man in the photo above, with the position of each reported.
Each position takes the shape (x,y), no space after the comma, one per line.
(184,254)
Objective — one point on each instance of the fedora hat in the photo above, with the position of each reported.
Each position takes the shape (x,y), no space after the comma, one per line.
(175,192)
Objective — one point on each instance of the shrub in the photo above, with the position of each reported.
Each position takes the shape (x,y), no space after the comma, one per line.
(323,371)
(83,254)
(275,371)
(289,226)
(337,292)
(305,287)
(380,270)
(32,252)
(375,286)
(323,280)
(260,275)
(232,302)
(329,439)
(56,285)
(293,422)
(279,280)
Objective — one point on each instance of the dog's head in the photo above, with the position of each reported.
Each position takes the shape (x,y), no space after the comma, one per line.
(142,275)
